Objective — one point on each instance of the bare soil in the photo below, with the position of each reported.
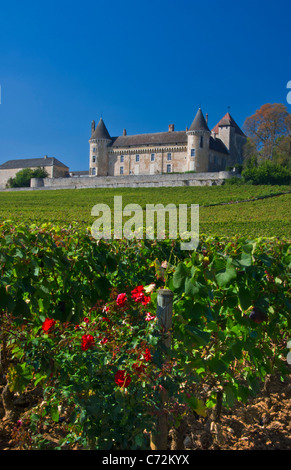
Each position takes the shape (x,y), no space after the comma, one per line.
(264,423)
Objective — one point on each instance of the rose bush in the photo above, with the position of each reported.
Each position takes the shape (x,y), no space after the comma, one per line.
(78,319)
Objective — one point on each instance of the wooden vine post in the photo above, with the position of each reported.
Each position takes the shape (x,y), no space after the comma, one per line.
(159,436)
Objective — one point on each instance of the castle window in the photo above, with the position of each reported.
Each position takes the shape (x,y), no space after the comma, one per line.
(201,141)
(192,152)
(169,168)
(137,158)
(121,170)
(121,158)
(94,159)
(94,149)
(169,156)
(152,157)
(93,171)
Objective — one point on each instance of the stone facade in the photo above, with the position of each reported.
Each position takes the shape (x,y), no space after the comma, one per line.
(53,166)
(197,149)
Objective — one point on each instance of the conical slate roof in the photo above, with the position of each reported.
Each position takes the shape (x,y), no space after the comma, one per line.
(101,131)
(199,123)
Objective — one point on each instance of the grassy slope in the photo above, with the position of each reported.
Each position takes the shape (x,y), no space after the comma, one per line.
(266,217)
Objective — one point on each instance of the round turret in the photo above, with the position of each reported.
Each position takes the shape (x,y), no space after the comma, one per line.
(198,144)
(99,142)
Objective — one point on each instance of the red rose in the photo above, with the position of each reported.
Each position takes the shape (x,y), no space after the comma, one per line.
(147,355)
(121,300)
(149,316)
(138,295)
(48,324)
(145,300)
(87,342)
(122,379)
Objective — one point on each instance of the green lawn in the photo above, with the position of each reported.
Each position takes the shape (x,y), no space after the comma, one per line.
(264,217)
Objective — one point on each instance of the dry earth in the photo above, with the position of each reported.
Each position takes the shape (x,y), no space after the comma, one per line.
(264,423)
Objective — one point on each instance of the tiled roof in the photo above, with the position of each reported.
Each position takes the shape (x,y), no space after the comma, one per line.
(31,163)
(227,120)
(160,138)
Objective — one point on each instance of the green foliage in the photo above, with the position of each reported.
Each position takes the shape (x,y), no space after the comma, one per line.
(23,177)
(218,215)
(49,272)
(268,173)
(234,180)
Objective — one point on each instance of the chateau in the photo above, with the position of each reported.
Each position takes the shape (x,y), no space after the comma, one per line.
(193,157)
(196,149)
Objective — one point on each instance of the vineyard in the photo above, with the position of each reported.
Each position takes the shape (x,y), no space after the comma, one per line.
(86,361)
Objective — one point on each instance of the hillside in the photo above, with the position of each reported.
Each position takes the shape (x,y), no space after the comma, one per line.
(224,210)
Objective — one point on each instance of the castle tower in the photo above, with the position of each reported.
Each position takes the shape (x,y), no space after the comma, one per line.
(198,136)
(232,136)
(98,157)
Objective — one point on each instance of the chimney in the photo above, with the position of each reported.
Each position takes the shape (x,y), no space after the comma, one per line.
(206,118)
(124,132)
(92,127)
(171,127)
(45,157)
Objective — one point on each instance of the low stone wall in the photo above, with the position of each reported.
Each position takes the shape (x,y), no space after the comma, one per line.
(129,181)
(135,181)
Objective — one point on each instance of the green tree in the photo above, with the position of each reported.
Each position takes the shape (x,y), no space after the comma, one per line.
(23,177)
(266,128)
(282,152)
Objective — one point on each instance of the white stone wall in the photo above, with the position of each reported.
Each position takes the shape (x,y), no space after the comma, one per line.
(134,181)
(150,161)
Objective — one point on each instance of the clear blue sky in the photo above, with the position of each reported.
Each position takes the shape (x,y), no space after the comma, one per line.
(141,65)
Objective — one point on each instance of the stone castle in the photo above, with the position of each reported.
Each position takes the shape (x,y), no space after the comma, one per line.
(195,156)
(197,149)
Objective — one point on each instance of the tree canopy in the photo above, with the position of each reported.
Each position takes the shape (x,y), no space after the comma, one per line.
(269,132)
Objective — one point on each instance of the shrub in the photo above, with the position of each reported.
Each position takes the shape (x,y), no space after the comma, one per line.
(23,177)
(267,173)
(234,180)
